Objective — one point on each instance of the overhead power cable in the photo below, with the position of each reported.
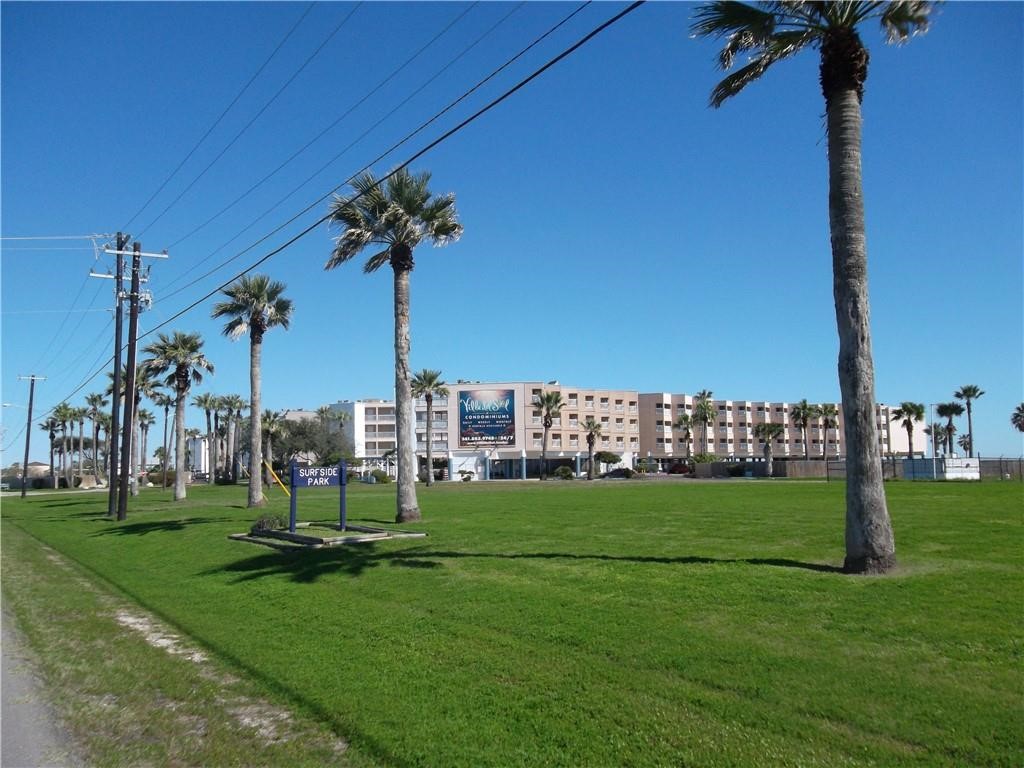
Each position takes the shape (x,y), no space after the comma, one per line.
(321,134)
(221,117)
(567,52)
(255,117)
(409,136)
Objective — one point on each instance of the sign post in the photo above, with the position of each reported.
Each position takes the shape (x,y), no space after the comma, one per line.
(317,477)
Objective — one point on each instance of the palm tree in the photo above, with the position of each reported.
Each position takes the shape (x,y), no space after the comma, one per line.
(948,411)
(802,414)
(191,434)
(80,415)
(770,33)
(103,422)
(146,420)
(1017,418)
(50,426)
(907,414)
(397,215)
(593,431)
(209,403)
(684,421)
(768,432)
(179,356)
(829,420)
(964,441)
(96,402)
(232,406)
(703,414)
(937,432)
(165,401)
(426,384)
(272,424)
(255,304)
(968,393)
(63,413)
(550,405)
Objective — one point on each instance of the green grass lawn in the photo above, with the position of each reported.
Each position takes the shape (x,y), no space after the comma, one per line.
(598,624)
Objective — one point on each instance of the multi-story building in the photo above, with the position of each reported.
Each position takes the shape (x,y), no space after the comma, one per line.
(731,433)
(370,426)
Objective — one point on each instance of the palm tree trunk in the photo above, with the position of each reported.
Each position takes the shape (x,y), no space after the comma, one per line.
(179,446)
(163,459)
(544,455)
(869,540)
(768,455)
(215,462)
(229,456)
(430,423)
(970,431)
(133,476)
(590,461)
(910,440)
(803,436)
(408,508)
(211,451)
(256,424)
(95,452)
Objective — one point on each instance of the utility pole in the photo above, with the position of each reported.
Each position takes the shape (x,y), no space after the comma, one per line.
(28,427)
(113,482)
(129,385)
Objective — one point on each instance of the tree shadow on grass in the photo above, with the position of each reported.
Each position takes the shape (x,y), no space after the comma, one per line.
(306,566)
(156,526)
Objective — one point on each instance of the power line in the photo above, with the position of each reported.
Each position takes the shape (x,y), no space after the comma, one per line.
(254,118)
(49,311)
(443,137)
(222,115)
(59,237)
(380,157)
(44,248)
(596,31)
(334,124)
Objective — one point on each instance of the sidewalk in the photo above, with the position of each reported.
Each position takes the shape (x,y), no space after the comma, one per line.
(30,737)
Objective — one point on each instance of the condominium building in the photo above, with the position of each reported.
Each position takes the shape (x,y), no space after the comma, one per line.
(731,433)
(495,429)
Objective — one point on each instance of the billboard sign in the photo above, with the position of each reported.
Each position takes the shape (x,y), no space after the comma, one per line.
(487,417)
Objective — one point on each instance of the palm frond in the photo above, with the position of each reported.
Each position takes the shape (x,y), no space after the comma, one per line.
(377,261)
(902,19)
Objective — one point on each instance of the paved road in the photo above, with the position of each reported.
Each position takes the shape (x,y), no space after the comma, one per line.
(30,736)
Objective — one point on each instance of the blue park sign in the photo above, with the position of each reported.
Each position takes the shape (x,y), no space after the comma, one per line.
(318,477)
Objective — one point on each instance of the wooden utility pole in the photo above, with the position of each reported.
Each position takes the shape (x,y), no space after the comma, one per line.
(129,385)
(28,427)
(112,480)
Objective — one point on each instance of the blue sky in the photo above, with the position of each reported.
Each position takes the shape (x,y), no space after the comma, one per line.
(618,232)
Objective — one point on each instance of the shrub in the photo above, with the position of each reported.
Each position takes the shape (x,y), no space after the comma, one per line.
(380,476)
(564,473)
(704,458)
(679,468)
(268,522)
(466,475)
(737,470)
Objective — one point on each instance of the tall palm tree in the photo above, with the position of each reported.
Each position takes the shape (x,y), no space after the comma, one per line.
(181,357)
(768,432)
(969,393)
(103,422)
(772,32)
(593,431)
(802,414)
(684,421)
(550,405)
(964,441)
(829,420)
(209,403)
(95,402)
(948,411)
(426,384)
(703,414)
(907,414)
(1017,418)
(396,215)
(255,304)
(50,426)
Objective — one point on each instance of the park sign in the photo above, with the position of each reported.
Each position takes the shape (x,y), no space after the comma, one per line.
(487,417)
(316,477)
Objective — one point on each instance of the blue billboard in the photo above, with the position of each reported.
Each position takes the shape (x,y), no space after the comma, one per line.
(487,417)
